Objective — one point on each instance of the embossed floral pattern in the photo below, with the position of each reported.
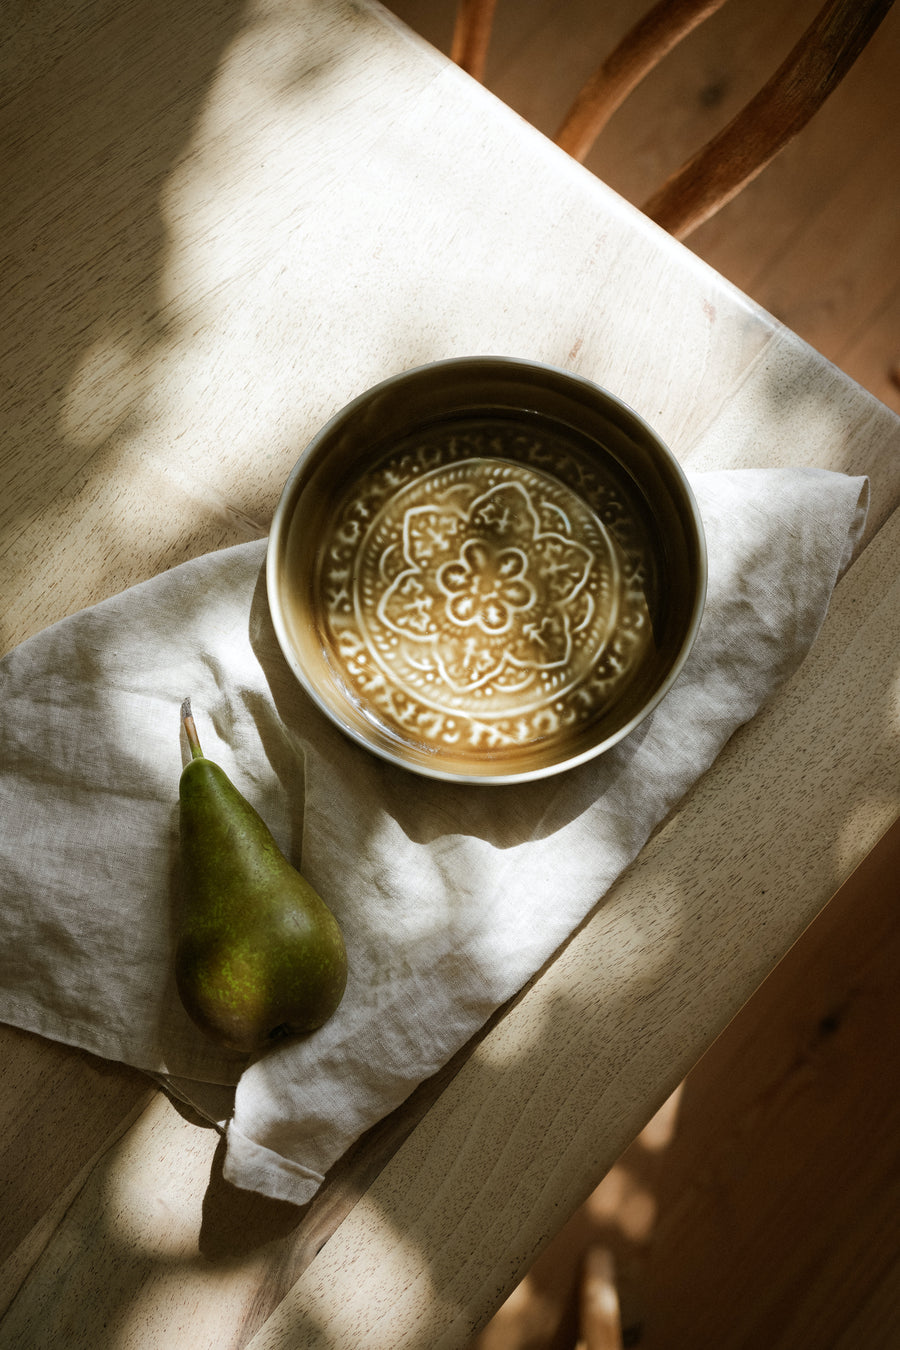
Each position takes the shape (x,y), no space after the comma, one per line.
(486,586)
(491,590)
(484,589)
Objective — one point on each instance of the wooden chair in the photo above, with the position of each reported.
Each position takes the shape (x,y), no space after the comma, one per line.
(742,149)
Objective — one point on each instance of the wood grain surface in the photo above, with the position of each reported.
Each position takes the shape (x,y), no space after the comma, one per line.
(220,223)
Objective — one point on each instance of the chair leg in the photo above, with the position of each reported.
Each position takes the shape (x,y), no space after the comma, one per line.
(600,1321)
(471,35)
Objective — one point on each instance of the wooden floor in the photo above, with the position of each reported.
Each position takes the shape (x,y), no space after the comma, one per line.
(759,1210)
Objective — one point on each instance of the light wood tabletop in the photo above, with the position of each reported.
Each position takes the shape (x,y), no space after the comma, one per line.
(220,222)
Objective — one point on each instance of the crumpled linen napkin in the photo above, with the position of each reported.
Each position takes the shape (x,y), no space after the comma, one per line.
(450,897)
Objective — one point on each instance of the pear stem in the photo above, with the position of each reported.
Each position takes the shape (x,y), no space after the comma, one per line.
(190,729)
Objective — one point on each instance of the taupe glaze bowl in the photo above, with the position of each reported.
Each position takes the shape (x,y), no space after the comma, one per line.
(486,570)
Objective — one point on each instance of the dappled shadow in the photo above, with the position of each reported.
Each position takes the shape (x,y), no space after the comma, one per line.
(128,133)
(95,134)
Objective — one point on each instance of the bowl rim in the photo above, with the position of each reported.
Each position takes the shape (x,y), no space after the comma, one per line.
(283,515)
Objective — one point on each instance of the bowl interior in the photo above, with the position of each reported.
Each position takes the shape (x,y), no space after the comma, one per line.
(486,570)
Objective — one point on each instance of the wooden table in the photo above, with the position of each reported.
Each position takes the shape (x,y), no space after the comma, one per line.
(220,222)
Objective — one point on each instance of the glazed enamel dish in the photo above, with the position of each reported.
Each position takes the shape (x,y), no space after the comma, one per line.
(486,570)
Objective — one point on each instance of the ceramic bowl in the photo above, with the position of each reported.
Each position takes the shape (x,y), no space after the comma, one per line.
(486,570)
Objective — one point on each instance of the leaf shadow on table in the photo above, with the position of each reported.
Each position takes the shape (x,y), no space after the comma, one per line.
(84,297)
(109,108)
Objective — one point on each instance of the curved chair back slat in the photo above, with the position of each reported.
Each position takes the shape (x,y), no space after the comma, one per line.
(781,109)
(733,157)
(642,48)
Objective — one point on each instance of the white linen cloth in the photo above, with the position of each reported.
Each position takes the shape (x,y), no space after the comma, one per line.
(449,896)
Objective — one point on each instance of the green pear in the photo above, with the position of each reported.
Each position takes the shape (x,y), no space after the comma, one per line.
(259,955)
